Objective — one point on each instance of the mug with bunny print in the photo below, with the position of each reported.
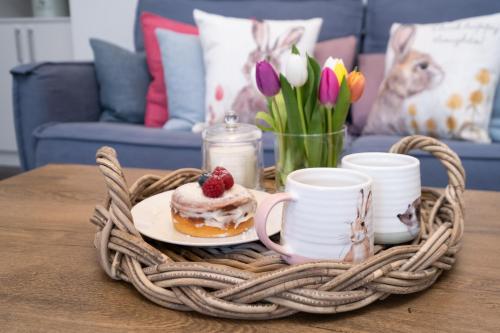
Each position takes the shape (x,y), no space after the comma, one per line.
(326,216)
(396,191)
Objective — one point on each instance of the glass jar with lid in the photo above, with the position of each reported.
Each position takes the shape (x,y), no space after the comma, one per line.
(236,147)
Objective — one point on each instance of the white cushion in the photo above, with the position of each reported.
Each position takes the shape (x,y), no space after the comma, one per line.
(231,48)
(440,79)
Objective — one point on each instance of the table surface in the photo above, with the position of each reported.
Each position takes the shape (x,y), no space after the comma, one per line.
(50,279)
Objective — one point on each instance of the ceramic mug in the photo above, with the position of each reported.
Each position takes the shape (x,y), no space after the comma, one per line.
(396,193)
(326,216)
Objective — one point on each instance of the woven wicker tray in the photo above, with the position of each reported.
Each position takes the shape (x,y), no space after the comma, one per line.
(248,281)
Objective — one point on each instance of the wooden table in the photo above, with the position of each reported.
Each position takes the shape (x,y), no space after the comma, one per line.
(50,279)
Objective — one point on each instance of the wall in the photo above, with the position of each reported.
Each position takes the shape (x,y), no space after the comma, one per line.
(111,20)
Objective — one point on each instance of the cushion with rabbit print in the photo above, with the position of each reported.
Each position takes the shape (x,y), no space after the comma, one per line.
(232,47)
(440,80)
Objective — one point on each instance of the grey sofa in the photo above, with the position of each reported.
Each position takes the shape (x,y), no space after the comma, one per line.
(57,104)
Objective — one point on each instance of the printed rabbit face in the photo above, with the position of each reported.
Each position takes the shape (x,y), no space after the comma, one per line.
(249,101)
(264,49)
(412,71)
(361,247)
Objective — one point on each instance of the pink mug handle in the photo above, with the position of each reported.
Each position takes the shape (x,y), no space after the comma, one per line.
(261,221)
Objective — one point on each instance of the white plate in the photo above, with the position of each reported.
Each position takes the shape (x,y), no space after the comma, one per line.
(153,219)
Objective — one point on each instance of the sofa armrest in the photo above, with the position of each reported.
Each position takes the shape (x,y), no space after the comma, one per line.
(51,92)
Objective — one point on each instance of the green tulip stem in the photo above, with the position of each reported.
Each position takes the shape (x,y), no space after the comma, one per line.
(329,117)
(302,119)
(329,111)
(301,110)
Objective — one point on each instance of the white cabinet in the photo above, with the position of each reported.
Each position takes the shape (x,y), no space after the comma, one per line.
(49,41)
(26,40)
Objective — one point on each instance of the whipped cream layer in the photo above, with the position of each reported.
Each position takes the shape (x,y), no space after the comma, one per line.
(236,205)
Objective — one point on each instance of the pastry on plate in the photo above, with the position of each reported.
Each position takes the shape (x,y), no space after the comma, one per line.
(213,207)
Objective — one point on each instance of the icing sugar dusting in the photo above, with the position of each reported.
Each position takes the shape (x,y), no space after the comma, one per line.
(191,194)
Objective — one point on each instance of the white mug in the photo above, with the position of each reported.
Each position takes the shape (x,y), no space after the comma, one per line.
(396,193)
(326,216)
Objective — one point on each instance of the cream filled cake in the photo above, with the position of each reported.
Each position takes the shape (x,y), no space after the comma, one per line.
(207,209)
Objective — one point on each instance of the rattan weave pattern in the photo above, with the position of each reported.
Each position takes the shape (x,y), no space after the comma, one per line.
(248,281)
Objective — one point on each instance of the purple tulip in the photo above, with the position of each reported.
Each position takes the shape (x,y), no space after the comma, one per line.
(328,87)
(267,79)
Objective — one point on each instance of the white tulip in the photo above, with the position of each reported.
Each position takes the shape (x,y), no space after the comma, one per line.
(330,63)
(296,69)
(337,66)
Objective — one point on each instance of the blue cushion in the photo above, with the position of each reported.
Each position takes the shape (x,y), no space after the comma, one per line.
(184,73)
(123,82)
(481,161)
(137,146)
(340,17)
(495,117)
(381,14)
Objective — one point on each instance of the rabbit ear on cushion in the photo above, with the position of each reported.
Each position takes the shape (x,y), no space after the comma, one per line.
(288,39)
(260,32)
(402,39)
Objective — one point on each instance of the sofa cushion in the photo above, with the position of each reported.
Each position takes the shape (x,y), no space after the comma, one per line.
(481,161)
(184,77)
(438,84)
(123,81)
(231,49)
(381,14)
(156,99)
(137,146)
(343,48)
(495,117)
(372,66)
(341,17)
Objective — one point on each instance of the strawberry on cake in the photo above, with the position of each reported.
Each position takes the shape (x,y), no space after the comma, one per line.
(213,207)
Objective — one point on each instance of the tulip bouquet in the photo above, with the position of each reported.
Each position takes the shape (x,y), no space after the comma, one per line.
(307,110)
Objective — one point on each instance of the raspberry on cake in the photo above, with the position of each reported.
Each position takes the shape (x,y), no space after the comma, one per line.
(226,177)
(210,209)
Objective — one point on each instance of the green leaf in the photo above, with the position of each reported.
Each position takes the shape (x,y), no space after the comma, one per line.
(266,118)
(315,144)
(315,73)
(280,112)
(341,108)
(264,128)
(309,92)
(293,116)
(317,122)
(295,50)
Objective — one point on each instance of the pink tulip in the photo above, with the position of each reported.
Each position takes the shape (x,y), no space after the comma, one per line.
(328,87)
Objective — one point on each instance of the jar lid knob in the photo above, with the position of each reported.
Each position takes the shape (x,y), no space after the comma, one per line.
(231,119)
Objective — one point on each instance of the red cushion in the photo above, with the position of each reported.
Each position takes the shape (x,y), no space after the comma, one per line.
(156,99)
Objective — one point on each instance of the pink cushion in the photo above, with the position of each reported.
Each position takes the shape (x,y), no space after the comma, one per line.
(156,99)
(343,48)
(372,66)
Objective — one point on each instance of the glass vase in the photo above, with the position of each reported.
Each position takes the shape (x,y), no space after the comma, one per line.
(299,151)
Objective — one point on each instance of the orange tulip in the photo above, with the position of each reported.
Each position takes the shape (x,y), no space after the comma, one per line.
(356,84)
